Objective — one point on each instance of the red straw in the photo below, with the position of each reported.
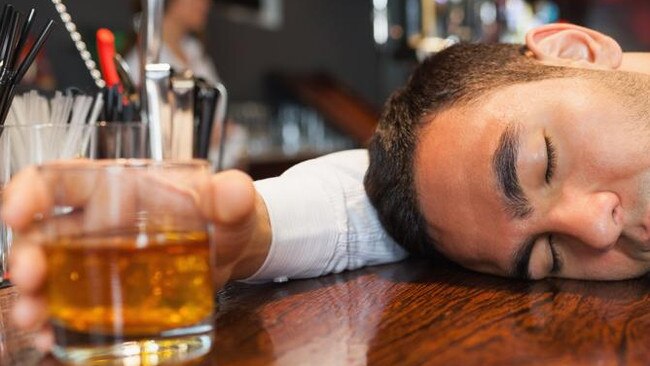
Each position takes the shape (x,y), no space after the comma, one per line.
(106,52)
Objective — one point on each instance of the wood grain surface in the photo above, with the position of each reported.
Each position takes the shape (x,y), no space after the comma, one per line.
(15,346)
(422,313)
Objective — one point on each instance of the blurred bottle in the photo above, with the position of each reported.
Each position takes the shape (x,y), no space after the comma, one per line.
(428,26)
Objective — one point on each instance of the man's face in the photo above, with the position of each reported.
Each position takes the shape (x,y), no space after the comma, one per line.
(540,179)
(192,14)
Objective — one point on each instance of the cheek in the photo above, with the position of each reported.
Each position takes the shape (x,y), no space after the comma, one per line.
(606,136)
(605,151)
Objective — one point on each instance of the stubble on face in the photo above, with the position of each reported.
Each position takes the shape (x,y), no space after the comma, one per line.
(628,93)
(633,89)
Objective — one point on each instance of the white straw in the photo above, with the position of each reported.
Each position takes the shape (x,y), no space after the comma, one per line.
(38,128)
(97,108)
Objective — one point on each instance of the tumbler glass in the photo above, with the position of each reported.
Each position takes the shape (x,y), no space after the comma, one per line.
(24,145)
(130,269)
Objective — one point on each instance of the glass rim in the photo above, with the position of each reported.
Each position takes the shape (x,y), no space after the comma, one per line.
(122,164)
(118,123)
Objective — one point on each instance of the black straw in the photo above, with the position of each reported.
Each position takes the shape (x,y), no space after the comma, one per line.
(15,27)
(31,56)
(27,27)
(5,33)
(14,32)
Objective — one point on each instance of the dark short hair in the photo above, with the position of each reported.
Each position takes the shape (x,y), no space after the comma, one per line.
(451,78)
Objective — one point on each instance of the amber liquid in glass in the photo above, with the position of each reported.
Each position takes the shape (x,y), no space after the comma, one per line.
(129,284)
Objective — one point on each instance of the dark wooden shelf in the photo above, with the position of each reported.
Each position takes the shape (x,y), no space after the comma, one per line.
(341,107)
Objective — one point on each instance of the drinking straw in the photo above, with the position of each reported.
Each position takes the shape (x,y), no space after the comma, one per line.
(13,32)
(49,128)
(7,92)
(124,73)
(16,30)
(29,59)
(106,53)
(7,36)
(7,14)
(24,34)
(96,109)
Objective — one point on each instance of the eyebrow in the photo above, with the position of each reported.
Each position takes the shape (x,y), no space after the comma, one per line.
(504,164)
(522,259)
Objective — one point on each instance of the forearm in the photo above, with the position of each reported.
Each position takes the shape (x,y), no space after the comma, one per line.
(321,221)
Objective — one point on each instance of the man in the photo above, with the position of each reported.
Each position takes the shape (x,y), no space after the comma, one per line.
(486,172)
(518,168)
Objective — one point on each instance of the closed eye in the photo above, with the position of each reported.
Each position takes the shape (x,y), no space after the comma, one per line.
(551,159)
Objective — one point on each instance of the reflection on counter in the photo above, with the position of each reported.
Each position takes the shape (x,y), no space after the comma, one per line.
(420,312)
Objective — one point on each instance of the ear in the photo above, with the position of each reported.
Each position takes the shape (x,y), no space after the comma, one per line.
(571,45)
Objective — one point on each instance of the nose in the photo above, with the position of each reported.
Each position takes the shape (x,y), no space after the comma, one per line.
(594,219)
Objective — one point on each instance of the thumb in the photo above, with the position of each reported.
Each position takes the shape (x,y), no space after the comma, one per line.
(232,199)
(242,229)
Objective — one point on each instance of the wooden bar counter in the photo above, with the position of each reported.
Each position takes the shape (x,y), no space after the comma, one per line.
(412,313)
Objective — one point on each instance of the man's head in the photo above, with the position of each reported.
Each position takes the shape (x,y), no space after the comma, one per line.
(517,165)
(190,14)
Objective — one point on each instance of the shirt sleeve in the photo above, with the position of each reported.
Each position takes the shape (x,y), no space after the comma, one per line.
(322,221)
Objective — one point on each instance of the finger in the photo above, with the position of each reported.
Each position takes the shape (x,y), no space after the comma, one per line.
(44,339)
(112,204)
(28,267)
(30,313)
(110,198)
(230,199)
(114,198)
(29,192)
(173,193)
(230,203)
(24,197)
(75,180)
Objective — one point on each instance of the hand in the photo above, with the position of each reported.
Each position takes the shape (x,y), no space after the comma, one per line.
(229,200)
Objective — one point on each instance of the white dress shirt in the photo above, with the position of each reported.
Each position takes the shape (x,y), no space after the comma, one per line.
(322,221)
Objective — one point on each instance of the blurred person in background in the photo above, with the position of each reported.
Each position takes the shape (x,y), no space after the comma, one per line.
(184,48)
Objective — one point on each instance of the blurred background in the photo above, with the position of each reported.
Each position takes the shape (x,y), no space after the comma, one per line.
(308,77)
